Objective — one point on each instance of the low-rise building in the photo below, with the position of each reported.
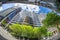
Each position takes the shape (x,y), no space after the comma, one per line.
(54,30)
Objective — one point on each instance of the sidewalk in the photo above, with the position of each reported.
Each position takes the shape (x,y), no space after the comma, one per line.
(6,34)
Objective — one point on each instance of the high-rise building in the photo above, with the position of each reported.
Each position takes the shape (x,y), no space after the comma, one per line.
(31,17)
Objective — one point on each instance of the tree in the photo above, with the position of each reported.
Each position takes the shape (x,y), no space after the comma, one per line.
(35,32)
(52,19)
(16,29)
(19,30)
(49,33)
(39,32)
(43,30)
(27,31)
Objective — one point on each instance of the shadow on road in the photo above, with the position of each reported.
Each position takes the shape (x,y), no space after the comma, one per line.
(2,38)
(59,39)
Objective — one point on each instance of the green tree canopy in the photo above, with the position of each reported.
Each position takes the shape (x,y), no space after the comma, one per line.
(40,32)
(51,19)
(28,31)
(16,29)
(21,30)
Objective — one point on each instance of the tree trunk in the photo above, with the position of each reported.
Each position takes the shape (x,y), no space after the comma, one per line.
(19,37)
(28,39)
(23,38)
(39,38)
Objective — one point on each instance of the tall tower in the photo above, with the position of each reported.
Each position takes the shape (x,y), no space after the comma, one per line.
(28,17)
(35,19)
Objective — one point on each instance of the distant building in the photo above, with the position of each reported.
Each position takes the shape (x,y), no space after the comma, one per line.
(54,30)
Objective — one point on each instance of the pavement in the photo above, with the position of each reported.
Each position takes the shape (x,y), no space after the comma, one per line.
(2,38)
(5,35)
(56,37)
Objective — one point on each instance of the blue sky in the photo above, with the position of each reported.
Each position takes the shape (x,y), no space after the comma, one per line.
(6,6)
(44,9)
(37,9)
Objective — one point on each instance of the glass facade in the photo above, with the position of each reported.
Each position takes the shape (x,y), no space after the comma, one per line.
(33,10)
(12,14)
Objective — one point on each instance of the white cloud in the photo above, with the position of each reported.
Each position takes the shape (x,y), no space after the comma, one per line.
(28,7)
(1,8)
(16,4)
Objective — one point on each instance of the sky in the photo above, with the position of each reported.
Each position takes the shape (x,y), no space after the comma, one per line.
(6,6)
(28,7)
